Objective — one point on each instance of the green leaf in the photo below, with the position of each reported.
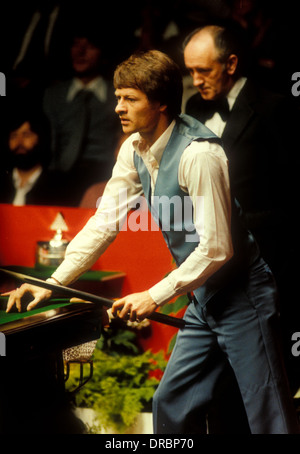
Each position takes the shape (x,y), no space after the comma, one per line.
(174,307)
(120,386)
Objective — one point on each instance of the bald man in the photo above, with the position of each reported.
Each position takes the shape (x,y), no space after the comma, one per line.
(258,129)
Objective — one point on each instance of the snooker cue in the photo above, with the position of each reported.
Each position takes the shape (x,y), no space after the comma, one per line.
(89,297)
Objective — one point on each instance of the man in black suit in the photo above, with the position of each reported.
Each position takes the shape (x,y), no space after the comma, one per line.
(259,134)
(25,178)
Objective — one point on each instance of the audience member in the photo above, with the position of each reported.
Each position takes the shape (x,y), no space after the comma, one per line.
(259,134)
(37,37)
(35,48)
(25,178)
(85,131)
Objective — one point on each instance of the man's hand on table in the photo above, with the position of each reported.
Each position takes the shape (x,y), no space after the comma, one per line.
(15,296)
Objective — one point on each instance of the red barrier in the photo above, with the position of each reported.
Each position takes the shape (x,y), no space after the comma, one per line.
(142,255)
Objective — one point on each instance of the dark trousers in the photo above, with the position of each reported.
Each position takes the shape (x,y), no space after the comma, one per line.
(237,329)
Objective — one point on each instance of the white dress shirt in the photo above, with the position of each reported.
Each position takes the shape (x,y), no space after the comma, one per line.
(203,171)
(215,123)
(98,86)
(22,190)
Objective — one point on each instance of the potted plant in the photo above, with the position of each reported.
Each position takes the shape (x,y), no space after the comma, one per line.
(124,379)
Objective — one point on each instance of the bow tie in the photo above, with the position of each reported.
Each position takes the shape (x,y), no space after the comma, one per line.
(220,105)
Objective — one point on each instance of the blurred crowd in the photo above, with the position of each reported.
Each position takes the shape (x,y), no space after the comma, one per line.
(58,59)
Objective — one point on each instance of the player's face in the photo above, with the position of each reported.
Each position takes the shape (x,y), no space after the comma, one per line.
(136,112)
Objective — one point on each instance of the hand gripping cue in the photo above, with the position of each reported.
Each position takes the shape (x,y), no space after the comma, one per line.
(73,293)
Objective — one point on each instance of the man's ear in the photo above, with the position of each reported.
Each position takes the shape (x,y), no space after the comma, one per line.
(231,64)
(163,108)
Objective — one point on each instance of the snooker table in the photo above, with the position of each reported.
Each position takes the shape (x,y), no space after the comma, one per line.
(33,399)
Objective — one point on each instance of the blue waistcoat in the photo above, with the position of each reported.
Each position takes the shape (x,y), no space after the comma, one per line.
(177,227)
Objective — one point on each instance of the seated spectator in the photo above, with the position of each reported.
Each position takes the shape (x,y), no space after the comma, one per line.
(25,178)
(81,111)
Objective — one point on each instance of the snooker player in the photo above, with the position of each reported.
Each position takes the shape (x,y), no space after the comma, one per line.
(232,320)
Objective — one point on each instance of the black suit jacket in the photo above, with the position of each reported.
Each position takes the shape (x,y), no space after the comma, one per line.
(51,188)
(261,140)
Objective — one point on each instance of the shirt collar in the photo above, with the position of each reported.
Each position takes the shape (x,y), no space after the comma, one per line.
(234,92)
(31,180)
(157,149)
(97,86)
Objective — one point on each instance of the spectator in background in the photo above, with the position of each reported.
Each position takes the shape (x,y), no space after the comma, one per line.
(25,178)
(35,46)
(85,130)
(259,133)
